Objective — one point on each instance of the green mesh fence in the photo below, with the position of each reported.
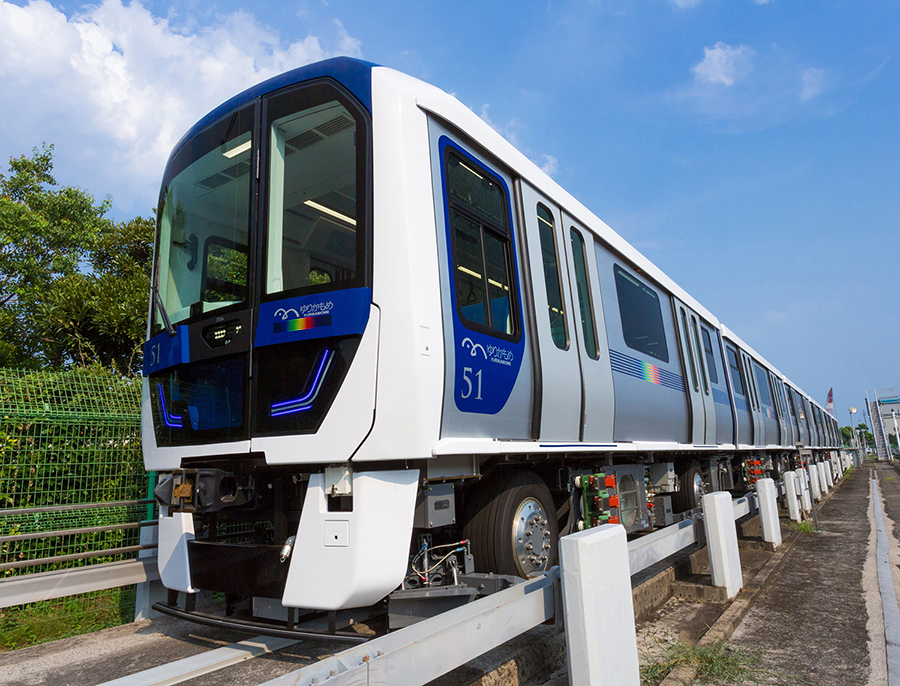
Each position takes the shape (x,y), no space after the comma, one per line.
(68,438)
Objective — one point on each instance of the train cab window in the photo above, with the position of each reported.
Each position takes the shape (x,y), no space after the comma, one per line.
(584,296)
(762,383)
(642,322)
(482,248)
(735,369)
(710,358)
(550,263)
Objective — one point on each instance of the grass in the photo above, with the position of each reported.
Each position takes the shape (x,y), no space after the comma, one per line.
(805,526)
(717,663)
(50,620)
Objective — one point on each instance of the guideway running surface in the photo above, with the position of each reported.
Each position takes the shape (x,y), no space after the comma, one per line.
(812,620)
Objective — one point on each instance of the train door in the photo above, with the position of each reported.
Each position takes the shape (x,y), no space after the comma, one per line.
(800,411)
(718,379)
(793,420)
(488,391)
(701,410)
(768,414)
(598,401)
(743,413)
(787,427)
(759,434)
(558,387)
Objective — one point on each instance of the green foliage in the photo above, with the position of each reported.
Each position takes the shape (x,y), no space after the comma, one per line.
(73,284)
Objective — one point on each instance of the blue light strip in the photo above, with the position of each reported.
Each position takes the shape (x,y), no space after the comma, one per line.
(171,421)
(305,402)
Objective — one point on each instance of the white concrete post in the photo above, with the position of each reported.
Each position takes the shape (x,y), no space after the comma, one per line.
(823,477)
(768,511)
(814,481)
(722,543)
(829,475)
(793,500)
(803,489)
(596,586)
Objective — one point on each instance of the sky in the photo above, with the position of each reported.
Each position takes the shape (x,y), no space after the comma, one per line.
(749,148)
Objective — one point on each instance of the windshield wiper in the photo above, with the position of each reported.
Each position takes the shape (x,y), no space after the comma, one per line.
(157,301)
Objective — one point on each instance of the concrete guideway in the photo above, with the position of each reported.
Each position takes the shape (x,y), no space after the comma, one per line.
(821,618)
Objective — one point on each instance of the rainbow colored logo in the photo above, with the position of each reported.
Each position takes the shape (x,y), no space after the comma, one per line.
(303,323)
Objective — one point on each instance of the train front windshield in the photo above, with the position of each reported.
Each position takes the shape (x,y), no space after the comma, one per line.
(239,228)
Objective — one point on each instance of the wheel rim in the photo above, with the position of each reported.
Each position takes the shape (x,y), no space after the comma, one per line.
(698,487)
(531,538)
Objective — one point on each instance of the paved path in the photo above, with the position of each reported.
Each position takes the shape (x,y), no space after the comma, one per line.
(820,618)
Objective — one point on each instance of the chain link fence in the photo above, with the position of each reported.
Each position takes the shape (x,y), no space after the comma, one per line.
(71,484)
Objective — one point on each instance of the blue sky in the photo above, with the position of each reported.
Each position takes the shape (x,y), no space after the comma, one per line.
(750,148)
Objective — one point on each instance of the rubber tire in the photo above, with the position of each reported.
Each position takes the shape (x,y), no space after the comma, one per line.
(685,498)
(490,510)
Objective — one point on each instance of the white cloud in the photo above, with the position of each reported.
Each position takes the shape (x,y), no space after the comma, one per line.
(508,131)
(724,64)
(685,4)
(115,86)
(813,82)
(550,166)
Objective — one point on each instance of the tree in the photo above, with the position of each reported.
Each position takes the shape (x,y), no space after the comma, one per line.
(74,284)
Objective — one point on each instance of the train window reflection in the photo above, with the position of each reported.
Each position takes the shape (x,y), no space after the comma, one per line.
(550,263)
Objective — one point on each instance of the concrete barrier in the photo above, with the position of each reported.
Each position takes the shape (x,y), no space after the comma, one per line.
(829,474)
(793,499)
(722,543)
(768,511)
(823,477)
(596,587)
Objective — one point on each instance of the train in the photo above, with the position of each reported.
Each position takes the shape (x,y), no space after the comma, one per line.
(389,361)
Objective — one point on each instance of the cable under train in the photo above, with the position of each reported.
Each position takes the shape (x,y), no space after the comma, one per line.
(388,357)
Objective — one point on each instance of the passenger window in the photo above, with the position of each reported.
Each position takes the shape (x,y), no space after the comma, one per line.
(735,369)
(642,322)
(699,354)
(710,358)
(762,383)
(584,295)
(558,329)
(481,247)
(690,352)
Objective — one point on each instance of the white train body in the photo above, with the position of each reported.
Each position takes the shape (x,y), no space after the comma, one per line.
(369,359)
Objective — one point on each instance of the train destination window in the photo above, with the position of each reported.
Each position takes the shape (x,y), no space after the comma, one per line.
(762,384)
(550,262)
(735,369)
(642,322)
(481,246)
(584,295)
(710,358)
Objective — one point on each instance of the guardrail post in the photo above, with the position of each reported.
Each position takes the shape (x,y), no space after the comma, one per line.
(823,478)
(793,500)
(722,543)
(768,511)
(596,584)
(148,592)
(803,489)
(829,473)
(814,481)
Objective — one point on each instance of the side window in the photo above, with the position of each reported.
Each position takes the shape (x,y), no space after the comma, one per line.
(710,357)
(699,353)
(482,250)
(584,295)
(690,352)
(735,369)
(642,322)
(762,383)
(550,262)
